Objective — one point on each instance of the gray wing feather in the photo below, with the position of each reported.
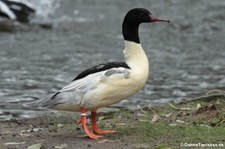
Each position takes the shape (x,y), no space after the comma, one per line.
(93,80)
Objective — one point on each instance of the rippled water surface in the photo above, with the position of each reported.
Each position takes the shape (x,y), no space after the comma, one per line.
(187,56)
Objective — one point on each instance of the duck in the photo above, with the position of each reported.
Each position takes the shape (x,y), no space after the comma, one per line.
(108,83)
(19,10)
(6,12)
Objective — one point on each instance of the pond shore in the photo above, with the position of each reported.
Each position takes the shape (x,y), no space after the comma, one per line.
(197,122)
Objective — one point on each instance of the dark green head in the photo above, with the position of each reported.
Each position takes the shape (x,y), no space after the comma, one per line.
(133,19)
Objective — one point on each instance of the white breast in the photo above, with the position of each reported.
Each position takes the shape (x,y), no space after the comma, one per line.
(115,91)
(137,60)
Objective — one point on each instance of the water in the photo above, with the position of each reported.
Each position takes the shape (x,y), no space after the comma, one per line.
(186,56)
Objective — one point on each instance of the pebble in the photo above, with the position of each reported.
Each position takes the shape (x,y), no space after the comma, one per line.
(60,125)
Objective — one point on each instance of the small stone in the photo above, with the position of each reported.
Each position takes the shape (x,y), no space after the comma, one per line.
(36,129)
(60,125)
(62,146)
(173,124)
(180,121)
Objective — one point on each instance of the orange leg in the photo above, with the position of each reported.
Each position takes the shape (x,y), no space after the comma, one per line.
(95,127)
(84,125)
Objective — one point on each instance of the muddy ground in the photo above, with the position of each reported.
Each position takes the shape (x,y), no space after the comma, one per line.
(170,126)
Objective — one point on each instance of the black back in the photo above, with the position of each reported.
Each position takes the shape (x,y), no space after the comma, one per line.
(4,15)
(101,67)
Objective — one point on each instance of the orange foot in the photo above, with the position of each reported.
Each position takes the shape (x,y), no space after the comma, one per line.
(101,132)
(95,127)
(84,125)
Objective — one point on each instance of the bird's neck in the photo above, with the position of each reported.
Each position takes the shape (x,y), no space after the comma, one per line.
(130,31)
(134,54)
(137,60)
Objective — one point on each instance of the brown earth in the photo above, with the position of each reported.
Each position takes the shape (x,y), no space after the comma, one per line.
(158,127)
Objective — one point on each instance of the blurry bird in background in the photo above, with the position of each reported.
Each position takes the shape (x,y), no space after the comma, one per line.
(17,10)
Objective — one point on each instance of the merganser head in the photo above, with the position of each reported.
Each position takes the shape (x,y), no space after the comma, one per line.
(133,19)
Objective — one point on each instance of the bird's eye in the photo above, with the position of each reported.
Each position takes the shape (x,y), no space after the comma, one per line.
(141,13)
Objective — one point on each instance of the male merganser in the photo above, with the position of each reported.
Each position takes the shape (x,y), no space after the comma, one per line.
(19,10)
(109,83)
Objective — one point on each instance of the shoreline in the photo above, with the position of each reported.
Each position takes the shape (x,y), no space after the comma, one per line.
(168,126)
